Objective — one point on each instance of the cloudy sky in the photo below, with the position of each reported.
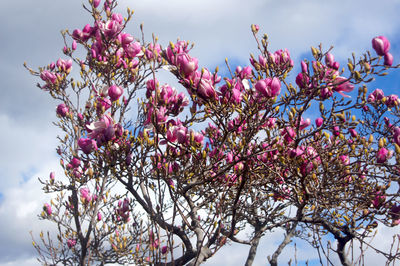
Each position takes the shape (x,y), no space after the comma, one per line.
(30,31)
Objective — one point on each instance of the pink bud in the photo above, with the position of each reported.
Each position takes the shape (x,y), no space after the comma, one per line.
(302,80)
(71,242)
(99,216)
(336,131)
(343,85)
(319,121)
(388,59)
(304,123)
(329,59)
(47,208)
(304,67)
(87,145)
(382,155)
(75,162)
(164,249)
(353,132)
(275,87)
(115,92)
(96,3)
(62,110)
(52,175)
(74,45)
(381,45)
(80,116)
(392,100)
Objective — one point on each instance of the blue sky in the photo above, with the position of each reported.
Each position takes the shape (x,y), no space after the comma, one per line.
(30,32)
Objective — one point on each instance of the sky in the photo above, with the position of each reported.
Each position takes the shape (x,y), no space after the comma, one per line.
(30,31)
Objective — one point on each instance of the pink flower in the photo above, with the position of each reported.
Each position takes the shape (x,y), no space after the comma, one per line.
(379,199)
(164,249)
(245,73)
(353,132)
(133,49)
(74,45)
(114,92)
(64,65)
(52,176)
(99,216)
(85,195)
(186,64)
(329,59)
(71,242)
(381,45)
(48,76)
(302,80)
(345,159)
(376,95)
(288,133)
(319,121)
(75,162)
(96,3)
(99,127)
(87,145)
(47,208)
(304,123)
(304,67)
(382,155)
(396,135)
(269,87)
(392,101)
(336,131)
(62,110)
(206,89)
(341,84)
(388,59)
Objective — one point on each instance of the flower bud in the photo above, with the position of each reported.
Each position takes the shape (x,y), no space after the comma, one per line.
(319,121)
(115,92)
(381,45)
(47,208)
(62,110)
(96,3)
(388,59)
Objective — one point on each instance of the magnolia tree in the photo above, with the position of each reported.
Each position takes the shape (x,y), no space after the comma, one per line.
(158,175)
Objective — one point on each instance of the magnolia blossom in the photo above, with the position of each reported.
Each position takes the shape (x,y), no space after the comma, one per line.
(388,59)
(100,127)
(47,208)
(341,84)
(87,145)
(375,96)
(288,134)
(48,76)
(85,195)
(302,80)
(75,162)
(114,92)
(304,123)
(71,242)
(319,121)
(62,110)
(64,65)
(382,155)
(186,64)
(269,87)
(381,45)
(396,135)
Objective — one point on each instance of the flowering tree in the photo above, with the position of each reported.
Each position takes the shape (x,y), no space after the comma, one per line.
(158,175)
